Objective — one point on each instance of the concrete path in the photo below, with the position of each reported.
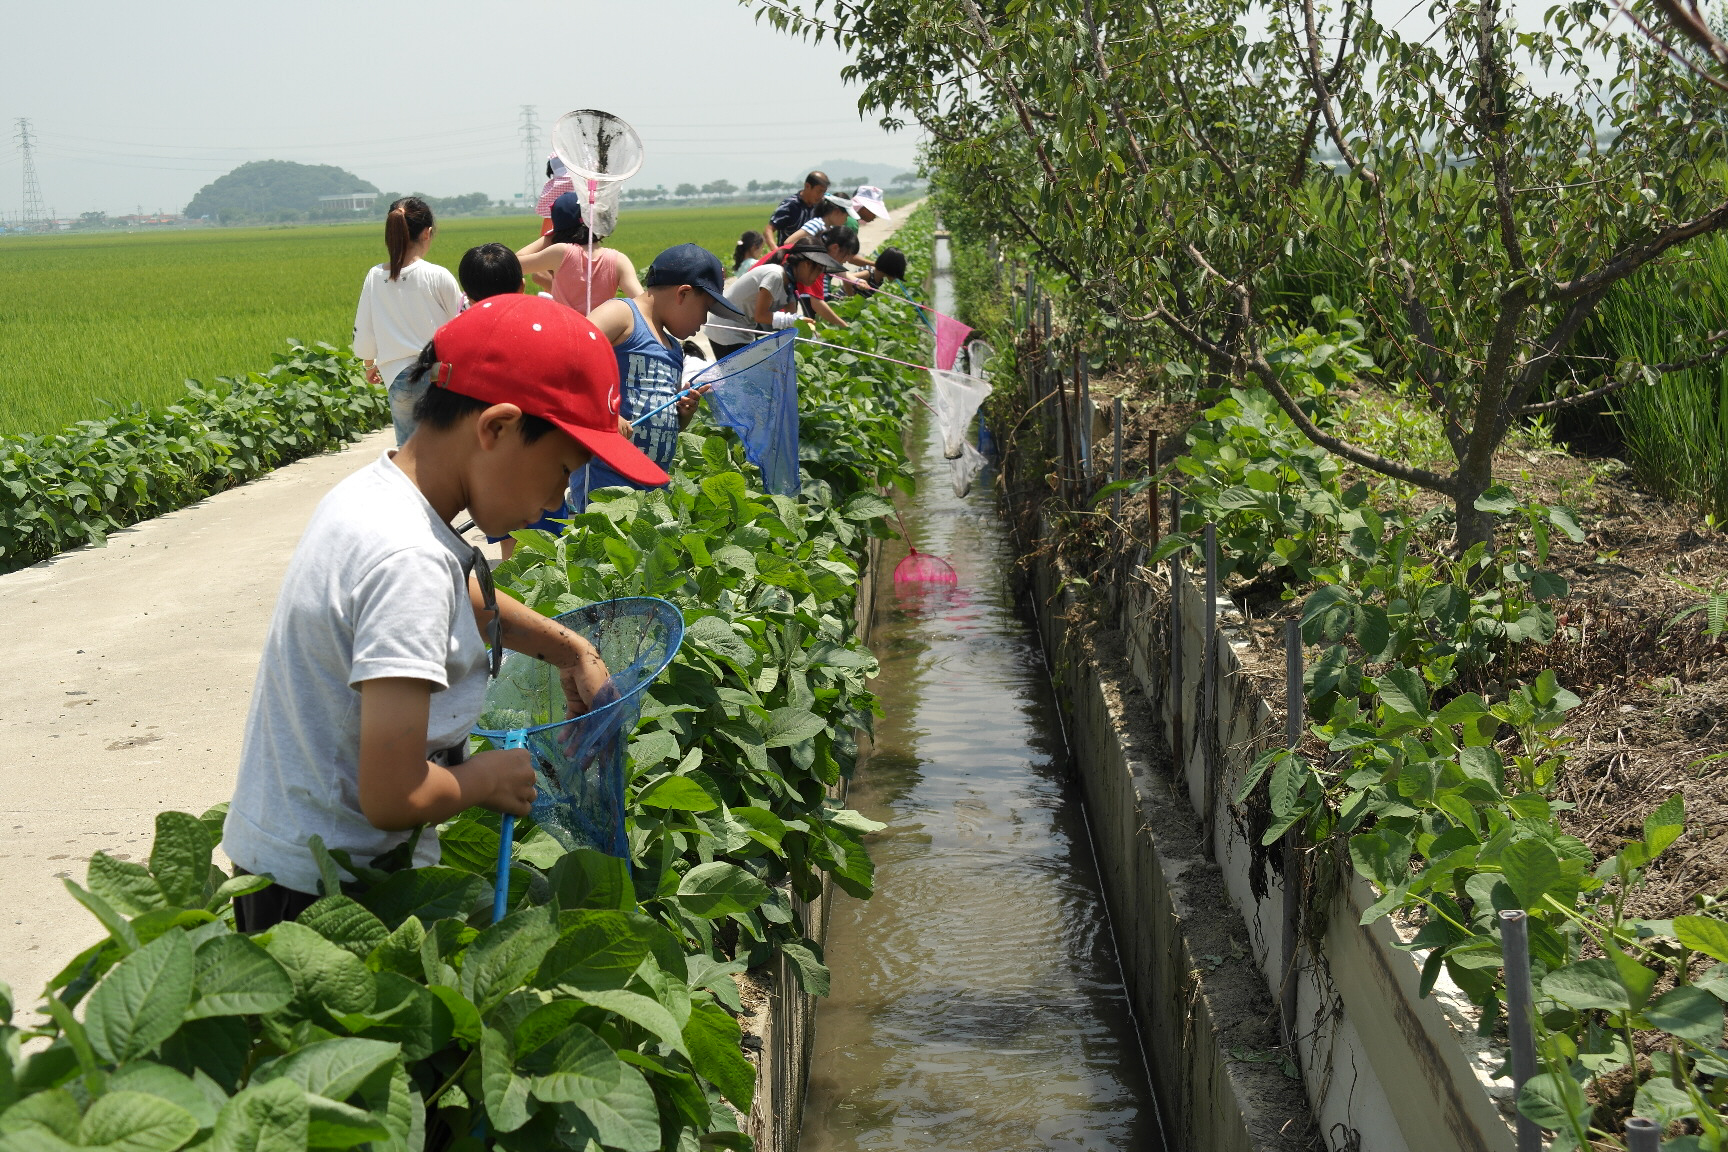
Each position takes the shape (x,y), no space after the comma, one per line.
(125,688)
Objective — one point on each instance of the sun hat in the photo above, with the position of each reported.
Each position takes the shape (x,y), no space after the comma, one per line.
(869,196)
(549,361)
(811,249)
(841,202)
(556,163)
(694,265)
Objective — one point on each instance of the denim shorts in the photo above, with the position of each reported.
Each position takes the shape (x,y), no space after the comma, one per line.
(404,395)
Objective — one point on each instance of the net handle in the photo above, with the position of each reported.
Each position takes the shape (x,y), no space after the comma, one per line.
(517,738)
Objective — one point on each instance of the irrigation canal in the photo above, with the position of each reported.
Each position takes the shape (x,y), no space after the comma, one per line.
(977,1002)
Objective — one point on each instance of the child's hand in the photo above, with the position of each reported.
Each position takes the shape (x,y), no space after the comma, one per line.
(688,404)
(625,428)
(586,683)
(507,779)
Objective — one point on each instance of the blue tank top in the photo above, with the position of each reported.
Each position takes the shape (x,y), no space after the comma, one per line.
(649,374)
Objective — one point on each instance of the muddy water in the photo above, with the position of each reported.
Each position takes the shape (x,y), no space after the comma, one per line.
(976,1002)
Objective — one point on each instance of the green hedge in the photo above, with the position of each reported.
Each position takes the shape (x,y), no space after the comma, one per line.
(600,1012)
(79,484)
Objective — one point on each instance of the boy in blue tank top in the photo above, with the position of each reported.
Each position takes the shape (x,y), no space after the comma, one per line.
(683,284)
(647,334)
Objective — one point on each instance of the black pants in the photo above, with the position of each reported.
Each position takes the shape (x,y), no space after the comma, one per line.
(721,350)
(269,907)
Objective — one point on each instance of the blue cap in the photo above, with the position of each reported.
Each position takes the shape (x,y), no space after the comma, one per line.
(694,265)
(566,212)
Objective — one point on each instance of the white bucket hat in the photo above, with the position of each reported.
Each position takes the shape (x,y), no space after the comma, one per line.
(869,196)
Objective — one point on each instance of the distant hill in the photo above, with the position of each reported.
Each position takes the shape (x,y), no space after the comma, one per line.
(846,173)
(274,191)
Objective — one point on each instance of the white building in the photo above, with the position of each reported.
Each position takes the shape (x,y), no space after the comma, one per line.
(349,201)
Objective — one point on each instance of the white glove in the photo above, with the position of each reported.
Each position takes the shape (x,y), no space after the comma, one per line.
(785,320)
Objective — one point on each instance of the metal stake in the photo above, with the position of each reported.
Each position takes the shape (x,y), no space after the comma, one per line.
(1294,706)
(1643,1135)
(1515,948)
(1153,520)
(1209,686)
(1116,457)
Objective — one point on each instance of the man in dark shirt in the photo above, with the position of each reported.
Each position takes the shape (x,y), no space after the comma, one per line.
(795,210)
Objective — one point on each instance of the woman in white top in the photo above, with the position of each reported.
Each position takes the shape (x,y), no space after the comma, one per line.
(402,303)
(763,293)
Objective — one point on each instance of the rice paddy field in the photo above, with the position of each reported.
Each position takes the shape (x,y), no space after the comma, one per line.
(106,319)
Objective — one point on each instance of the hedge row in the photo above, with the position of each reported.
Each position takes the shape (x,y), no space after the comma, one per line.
(79,484)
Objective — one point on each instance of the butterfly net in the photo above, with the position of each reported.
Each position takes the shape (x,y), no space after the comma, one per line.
(579,763)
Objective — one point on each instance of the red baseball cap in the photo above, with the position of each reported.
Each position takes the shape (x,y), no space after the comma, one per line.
(549,361)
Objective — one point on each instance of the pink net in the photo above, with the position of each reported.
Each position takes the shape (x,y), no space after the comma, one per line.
(923,568)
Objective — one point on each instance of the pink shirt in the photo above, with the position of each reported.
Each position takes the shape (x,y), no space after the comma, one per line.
(570,284)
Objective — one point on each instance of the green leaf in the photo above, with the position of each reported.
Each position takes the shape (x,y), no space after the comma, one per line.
(507,1107)
(129,1121)
(789,726)
(406,1013)
(236,977)
(142,1000)
(713,635)
(333,1124)
(1664,826)
(1554,1101)
(712,1036)
(584,1068)
(326,978)
(119,928)
(637,1009)
(717,889)
(201,1102)
(1689,1013)
(679,793)
(269,1117)
(1498,499)
(501,958)
(180,859)
(1588,984)
(1402,690)
(589,879)
(813,975)
(125,886)
(333,1068)
(218,1046)
(435,893)
(345,923)
(55,1109)
(626,1118)
(1531,870)
(595,949)
(1704,934)
(1660,1101)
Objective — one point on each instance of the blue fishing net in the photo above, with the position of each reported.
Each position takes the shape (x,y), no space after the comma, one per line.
(755,393)
(579,763)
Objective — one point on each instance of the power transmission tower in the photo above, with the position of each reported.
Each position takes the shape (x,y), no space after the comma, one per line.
(32,187)
(531,154)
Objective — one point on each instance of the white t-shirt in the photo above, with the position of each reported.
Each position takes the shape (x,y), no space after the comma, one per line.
(397,317)
(377,587)
(723,327)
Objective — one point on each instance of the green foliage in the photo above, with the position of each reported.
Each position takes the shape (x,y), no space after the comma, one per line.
(99,475)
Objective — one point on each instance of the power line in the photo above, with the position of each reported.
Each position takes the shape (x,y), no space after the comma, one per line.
(32,187)
(530,152)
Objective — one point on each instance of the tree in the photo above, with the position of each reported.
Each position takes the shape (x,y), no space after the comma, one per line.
(686,190)
(273,190)
(1168,163)
(905,180)
(719,188)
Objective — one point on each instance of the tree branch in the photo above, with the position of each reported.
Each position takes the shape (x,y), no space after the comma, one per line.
(1632,258)
(1718,347)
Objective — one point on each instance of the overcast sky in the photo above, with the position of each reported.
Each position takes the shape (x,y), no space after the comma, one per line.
(141,105)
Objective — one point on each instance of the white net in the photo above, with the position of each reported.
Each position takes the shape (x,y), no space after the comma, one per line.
(596,145)
(964,468)
(956,399)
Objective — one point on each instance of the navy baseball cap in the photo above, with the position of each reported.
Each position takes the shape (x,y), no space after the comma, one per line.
(566,212)
(694,265)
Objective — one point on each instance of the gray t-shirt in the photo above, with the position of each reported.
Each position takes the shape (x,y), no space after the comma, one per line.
(377,587)
(724,327)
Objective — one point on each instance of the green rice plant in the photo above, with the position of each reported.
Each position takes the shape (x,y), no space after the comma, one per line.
(91,323)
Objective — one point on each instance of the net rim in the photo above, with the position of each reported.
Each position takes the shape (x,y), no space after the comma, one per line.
(676,642)
(588,174)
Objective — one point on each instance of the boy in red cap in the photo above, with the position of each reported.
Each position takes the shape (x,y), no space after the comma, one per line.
(376,662)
